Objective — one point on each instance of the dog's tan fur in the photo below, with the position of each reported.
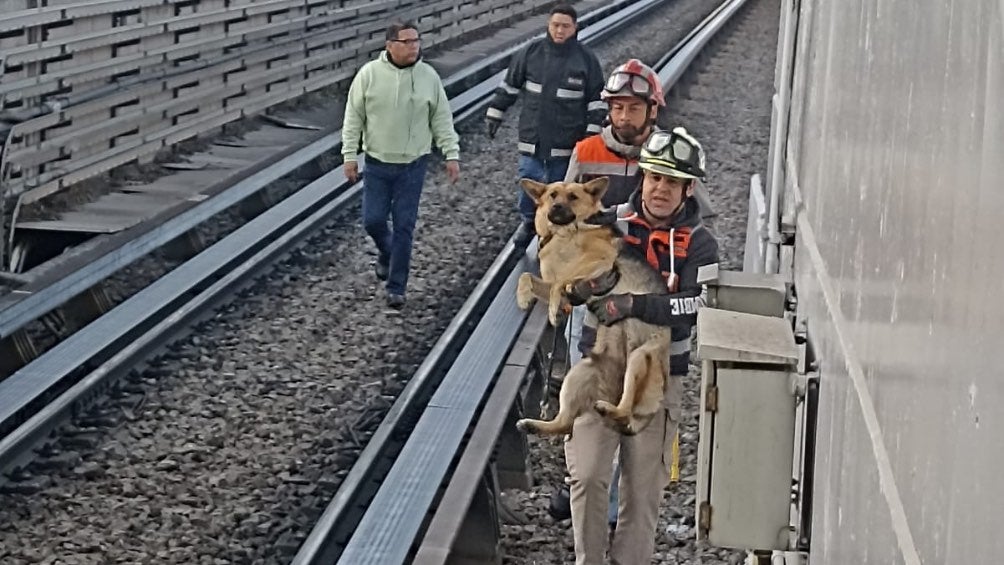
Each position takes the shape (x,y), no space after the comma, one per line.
(628,363)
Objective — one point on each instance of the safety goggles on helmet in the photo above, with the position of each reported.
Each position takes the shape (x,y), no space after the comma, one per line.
(634,78)
(629,84)
(675,153)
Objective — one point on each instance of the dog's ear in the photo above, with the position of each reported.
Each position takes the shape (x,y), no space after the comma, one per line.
(597,187)
(533,188)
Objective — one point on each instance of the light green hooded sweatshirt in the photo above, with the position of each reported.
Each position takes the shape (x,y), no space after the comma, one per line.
(399,112)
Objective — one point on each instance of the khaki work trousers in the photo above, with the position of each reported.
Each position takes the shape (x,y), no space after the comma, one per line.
(645,461)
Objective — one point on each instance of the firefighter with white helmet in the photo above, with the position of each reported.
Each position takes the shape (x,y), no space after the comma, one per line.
(661,221)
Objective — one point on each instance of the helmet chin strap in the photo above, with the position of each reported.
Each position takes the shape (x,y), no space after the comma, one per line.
(649,123)
(647,131)
(658,218)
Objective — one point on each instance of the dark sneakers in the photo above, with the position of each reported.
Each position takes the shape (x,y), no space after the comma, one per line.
(561,504)
(395,301)
(382,271)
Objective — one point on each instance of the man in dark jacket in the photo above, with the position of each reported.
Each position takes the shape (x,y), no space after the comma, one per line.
(561,80)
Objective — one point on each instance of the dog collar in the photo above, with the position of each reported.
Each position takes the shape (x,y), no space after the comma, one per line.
(604,283)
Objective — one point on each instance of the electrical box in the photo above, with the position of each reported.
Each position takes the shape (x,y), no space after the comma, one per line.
(740,291)
(747,428)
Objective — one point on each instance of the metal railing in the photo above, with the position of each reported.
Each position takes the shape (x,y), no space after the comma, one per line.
(40,396)
(46,290)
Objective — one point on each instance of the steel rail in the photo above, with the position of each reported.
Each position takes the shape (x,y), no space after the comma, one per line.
(323,544)
(673,64)
(135,329)
(45,291)
(85,363)
(393,521)
(332,528)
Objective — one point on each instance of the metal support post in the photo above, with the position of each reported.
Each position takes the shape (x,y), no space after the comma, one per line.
(185,246)
(478,542)
(513,452)
(16,351)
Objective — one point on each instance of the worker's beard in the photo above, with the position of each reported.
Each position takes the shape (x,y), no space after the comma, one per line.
(629,134)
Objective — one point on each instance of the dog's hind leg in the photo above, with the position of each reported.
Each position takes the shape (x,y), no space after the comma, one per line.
(578,390)
(643,389)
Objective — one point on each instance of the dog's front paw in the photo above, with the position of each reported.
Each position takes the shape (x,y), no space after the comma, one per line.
(524,291)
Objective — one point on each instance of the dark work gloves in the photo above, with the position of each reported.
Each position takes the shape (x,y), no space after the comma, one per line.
(610,309)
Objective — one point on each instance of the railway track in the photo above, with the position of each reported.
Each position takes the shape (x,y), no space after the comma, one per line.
(92,380)
(81,366)
(75,277)
(91,86)
(40,380)
(436,496)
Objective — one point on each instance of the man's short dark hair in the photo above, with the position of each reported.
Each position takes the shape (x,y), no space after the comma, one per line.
(567,10)
(396,28)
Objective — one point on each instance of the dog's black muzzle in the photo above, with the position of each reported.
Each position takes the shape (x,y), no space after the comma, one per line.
(560,215)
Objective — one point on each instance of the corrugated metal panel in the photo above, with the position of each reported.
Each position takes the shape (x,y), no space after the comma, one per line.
(898,153)
(102,52)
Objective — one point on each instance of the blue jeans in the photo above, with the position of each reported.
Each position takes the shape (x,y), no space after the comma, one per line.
(612,507)
(392,191)
(551,170)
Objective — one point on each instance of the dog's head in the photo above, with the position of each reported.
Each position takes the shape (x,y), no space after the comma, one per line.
(564,203)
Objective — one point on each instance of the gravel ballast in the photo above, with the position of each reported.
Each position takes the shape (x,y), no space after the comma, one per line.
(230,445)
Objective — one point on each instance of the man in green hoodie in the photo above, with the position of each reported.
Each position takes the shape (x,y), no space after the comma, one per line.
(397,108)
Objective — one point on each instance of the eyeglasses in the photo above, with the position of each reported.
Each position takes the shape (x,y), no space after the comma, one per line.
(685,154)
(635,84)
(408,42)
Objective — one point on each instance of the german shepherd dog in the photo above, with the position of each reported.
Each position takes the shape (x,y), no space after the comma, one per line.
(629,362)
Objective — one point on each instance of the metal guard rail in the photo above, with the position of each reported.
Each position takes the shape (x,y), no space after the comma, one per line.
(117,339)
(133,330)
(82,366)
(45,292)
(396,513)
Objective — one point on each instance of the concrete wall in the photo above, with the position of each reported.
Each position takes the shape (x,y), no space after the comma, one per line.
(894,187)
